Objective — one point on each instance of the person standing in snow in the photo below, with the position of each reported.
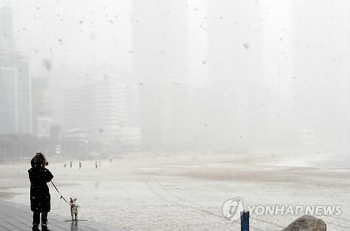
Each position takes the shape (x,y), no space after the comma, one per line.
(40,198)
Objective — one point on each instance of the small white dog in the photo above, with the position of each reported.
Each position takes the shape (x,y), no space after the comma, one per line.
(74,209)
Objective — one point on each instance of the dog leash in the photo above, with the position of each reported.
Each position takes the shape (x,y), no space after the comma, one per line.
(59,192)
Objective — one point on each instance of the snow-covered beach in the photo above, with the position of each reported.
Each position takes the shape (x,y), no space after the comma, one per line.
(187,192)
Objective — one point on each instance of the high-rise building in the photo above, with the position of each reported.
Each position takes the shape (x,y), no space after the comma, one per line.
(15,100)
(278,74)
(41,107)
(6,31)
(321,70)
(72,108)
(234,61)
(97,109)
(160,57)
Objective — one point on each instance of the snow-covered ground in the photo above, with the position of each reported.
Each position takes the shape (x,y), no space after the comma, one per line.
(187,192)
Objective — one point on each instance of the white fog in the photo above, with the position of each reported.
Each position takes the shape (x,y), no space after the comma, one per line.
(190,96)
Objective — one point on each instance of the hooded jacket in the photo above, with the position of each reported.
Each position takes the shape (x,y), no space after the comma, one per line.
(39,176)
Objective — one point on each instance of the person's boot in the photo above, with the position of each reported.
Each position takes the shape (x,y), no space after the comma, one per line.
(44,227)
(35,227)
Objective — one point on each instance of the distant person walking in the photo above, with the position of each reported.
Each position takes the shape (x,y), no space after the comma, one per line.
(95,164)
(40,200)
(71,163)
(79,165)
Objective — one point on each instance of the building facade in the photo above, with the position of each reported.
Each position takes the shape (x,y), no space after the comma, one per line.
(98,109)
(15,98)
(160,61)
(42,114)
(6,31)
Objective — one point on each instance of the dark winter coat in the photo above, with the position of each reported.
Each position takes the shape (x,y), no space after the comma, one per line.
(39,176)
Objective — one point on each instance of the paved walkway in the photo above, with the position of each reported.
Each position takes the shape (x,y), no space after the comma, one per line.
(17,217)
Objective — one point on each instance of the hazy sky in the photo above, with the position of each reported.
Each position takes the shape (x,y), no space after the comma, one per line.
(72,33)
(300,48)
(81,38)
(84,33)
